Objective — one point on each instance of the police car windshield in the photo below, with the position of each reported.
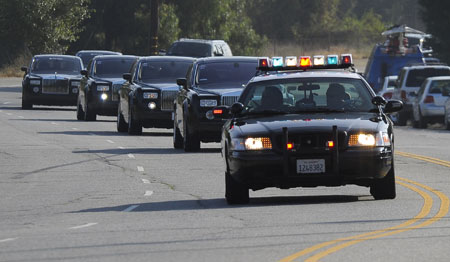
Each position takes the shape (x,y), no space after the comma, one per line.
(112,68)
(219,74)
(162,71)
(313,95)
(52,65)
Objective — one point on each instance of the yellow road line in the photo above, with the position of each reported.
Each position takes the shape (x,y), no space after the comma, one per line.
(442,212)
(428,203)
(425,158)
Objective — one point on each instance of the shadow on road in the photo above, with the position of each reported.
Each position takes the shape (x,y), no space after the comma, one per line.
(16,89)
(220,203)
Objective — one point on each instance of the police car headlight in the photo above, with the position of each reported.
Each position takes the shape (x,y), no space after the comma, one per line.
(362,140)
(35,82)
(148,95)
(208,103)
(102,88)
(257,143)
(75,84)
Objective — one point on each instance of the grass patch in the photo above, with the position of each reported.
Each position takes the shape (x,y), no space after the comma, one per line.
(13,69)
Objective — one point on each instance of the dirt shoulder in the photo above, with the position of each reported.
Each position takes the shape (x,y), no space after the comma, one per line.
(10,81)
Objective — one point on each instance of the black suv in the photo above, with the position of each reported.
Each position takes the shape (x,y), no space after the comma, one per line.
(210,82)
(199,48)
(100,86)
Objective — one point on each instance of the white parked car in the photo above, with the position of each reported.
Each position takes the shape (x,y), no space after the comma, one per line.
(428,105)
(446,93)
(388,87)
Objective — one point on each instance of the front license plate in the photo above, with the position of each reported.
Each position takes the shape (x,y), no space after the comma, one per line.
(310,166)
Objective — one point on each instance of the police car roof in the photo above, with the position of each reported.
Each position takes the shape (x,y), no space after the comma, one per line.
(215,59)
(313,73)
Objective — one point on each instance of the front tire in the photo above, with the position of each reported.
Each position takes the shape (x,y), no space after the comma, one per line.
(122,126)
(446,122)
(384,188)
(235,192)
(26,104)
(177,138)
(423,122)
(89,114)
(80,112)
(134,126)
(191,142)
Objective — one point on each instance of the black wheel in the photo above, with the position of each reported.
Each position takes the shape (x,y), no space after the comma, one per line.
(26,104)
(402,118)
(235,192)
(89,114)
(134,126)
(191,142)
(121,124)
(446,122)
(423,122)
(177,138)
(80,112)
(384,188)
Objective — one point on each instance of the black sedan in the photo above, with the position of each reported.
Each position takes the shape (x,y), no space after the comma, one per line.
(87,55)
(210,82)
(99,87)
(146,98)
(51,80)
(330,130)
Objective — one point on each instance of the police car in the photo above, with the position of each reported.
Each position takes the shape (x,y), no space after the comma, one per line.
(308,122)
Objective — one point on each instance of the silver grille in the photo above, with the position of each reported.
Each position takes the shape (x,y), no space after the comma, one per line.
(167,98)
(115,92)
(55,86)
(229,100)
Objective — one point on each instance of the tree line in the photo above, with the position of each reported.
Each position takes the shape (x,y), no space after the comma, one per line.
(66,26)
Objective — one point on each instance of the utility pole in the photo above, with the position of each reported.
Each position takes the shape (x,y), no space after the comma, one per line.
(154,24)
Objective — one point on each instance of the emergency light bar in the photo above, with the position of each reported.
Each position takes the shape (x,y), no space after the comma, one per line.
(305,62)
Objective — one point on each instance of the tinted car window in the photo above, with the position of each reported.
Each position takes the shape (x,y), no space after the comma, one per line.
(417,76)
(86,58)
(51,65)
(112,68)
(437,86)
(162,72)
(307,94)
(191,49)
(225,72)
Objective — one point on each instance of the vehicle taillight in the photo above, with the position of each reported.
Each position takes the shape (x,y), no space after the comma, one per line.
(387,95)
(429,100)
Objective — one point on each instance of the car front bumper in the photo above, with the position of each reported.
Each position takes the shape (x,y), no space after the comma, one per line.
(430,110)
(359,166)
(153,118)
(52,99)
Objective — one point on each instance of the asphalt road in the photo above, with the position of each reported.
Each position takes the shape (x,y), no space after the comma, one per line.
(79,191)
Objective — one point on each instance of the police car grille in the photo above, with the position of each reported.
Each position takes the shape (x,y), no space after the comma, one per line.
(55,86)
(229,100)
(307,142)
(167,98)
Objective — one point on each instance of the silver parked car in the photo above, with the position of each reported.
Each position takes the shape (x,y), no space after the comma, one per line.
(446,93)
(428,105)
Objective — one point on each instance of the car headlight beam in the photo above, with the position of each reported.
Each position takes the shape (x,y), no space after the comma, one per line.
(257,143)
(364,139)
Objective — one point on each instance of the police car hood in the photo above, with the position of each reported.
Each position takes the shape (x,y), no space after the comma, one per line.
(299,123)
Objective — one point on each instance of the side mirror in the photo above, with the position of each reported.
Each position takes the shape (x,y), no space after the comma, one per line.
(393,106)
(127,76)
(84,72)
(182,82)
(379,101)
(221,112)
(24,68)
(237,108)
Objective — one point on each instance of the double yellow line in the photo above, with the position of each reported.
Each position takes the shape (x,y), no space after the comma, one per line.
(411,224)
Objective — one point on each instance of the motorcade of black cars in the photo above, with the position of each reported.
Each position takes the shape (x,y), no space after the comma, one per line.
(51,80)
(146,98)
(87,55)
(333,131)
(210,82)
(100,84)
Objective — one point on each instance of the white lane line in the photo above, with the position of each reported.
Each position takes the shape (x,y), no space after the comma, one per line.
(145,181)
(110,141)
(83,226)
(9,114)
(140,169)
(1,110)
(91,134)
(74,128)
(21,117)
(148,193)
(7,240)
(53,123)
(130,155)
(121,147)
(7,103)
(130,208)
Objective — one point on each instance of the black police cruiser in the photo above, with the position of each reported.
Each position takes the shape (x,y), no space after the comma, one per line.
(99,87)
(146,98)
(308,127)
(51,80)
(210,82)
